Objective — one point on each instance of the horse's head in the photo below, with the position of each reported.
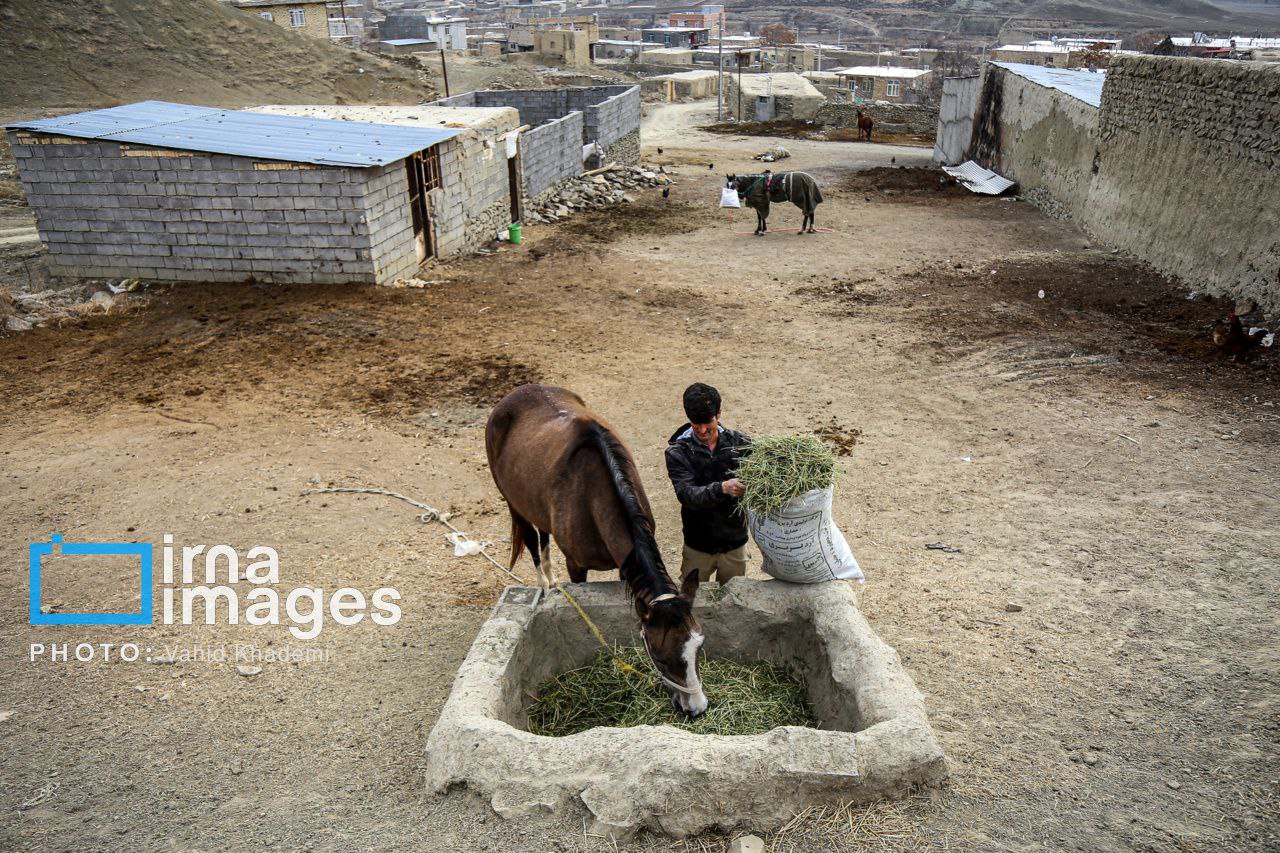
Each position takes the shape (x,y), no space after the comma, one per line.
(731,182)
(672,637)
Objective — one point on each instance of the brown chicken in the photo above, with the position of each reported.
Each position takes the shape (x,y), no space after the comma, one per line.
(1233,340)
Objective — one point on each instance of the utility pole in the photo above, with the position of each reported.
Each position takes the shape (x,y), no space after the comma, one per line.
(740,58)
(720,72)
(444,69)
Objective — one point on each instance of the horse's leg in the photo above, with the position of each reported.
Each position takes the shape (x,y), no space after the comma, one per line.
(529,537)
(759,221)
(544,547)
(577,574)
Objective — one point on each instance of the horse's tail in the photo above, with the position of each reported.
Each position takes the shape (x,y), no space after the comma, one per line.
(644,556)
(517,538)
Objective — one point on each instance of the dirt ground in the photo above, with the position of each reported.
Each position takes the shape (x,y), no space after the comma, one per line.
(1097,651)
(797,129)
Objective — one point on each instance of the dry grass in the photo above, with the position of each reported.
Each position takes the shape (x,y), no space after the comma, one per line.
(846,826)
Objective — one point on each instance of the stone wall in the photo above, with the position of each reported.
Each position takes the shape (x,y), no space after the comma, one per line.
(624,150)
(105,209)
(917,119)
(1188,171)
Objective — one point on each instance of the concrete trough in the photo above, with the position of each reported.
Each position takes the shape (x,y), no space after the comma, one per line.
(873,739)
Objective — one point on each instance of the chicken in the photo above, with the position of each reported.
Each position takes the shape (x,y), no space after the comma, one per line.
(666,192)
(1233,340)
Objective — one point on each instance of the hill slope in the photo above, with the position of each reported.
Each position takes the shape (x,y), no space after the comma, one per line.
(96,52)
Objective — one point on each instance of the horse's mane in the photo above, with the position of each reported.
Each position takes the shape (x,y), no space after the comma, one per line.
(642,570)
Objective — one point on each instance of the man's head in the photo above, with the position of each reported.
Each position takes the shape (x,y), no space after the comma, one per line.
(702,407)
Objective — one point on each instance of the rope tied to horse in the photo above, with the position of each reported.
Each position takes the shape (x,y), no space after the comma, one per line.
(617,661)
(457,537)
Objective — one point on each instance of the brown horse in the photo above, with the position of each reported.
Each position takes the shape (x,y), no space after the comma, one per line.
(864,125)
(565,473)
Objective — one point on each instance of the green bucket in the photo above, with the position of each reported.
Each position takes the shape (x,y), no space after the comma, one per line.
(513,232)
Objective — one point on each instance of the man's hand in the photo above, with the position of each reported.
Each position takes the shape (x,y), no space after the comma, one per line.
(733,488)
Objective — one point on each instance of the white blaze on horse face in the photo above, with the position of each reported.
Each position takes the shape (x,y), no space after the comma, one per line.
(695,701)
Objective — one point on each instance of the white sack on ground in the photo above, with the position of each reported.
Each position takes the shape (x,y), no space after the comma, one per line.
(801,543)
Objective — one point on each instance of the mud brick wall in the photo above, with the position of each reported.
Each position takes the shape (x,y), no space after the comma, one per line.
(919,119)
(1045,140)
(1179,166)
(106,209)
(1188,172)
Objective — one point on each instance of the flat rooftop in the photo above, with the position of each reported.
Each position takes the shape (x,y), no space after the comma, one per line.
(786,84)
(454,118)
(897,72)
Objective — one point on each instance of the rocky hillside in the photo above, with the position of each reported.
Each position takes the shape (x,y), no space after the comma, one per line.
(100,52)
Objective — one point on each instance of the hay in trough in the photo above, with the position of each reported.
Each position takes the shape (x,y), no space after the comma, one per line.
(780,469)
(745,699)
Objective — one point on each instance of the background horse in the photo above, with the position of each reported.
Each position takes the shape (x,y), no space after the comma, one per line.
(864,125)
(799,188)
(564,473)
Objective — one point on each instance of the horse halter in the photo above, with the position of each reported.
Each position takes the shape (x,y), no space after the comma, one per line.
(688,691)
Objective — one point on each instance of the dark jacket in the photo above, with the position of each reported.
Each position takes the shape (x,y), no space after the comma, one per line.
(711,520)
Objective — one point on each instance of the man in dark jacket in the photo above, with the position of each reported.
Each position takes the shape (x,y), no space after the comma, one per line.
(702,457)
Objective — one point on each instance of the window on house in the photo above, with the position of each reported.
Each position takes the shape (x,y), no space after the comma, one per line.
(266,16)
(337,28)
(431,178)
(892,89)
(297,18)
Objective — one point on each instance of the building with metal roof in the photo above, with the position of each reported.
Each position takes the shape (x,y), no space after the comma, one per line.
(175,192)
(295,139)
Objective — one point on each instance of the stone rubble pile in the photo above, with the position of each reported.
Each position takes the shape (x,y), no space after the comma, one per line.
(592,192)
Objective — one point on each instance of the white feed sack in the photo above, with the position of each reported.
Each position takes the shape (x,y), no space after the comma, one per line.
(801,542)
(729,197)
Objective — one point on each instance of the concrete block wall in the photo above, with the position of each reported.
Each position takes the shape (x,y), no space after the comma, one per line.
(611,113)
(536,106)
(110,210)
(474,202)
(550,155)
(390,222)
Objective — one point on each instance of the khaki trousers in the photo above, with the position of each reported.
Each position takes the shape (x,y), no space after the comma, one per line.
(730,564)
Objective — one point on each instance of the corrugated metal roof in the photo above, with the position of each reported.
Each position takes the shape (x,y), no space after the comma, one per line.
(978,179)
(246,134)
(1084,85)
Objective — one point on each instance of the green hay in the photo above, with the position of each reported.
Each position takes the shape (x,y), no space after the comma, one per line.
(745,699)
(780,469)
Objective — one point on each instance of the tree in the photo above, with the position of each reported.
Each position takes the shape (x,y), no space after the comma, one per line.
(777,35)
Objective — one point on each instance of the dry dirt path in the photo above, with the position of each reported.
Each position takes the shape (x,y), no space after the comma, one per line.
(1088,457)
